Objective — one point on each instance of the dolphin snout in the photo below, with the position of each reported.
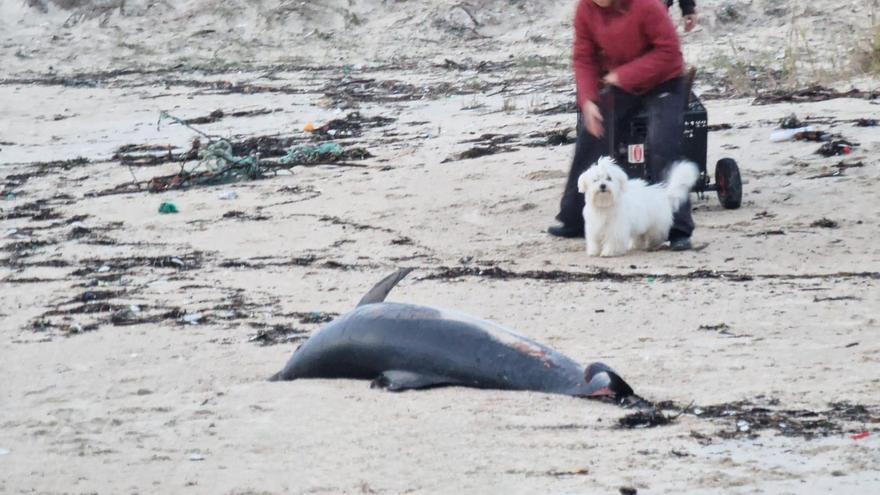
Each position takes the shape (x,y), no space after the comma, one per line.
(602,380)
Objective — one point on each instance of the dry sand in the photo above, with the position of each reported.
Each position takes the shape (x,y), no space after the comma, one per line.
(780,306)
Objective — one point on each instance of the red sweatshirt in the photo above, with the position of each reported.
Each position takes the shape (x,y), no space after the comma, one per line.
(639,43)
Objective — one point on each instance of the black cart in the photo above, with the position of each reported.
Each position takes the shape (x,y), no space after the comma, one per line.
(630,151)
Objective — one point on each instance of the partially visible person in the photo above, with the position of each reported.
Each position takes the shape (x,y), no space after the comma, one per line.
(688,13)
(629,48)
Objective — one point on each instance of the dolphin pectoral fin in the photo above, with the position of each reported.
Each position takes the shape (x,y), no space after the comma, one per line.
(399,380)
(380,291)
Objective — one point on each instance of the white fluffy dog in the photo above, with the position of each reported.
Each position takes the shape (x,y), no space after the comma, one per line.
(621,213)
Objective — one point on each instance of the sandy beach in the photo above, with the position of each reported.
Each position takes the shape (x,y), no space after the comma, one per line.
(136,345)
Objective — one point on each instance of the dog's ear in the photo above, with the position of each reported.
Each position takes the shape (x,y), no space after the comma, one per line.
(582,182)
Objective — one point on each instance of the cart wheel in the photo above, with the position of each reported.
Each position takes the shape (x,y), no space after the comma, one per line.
(729,183)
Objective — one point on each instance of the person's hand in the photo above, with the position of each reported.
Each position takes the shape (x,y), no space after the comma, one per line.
(611,79)
(593,119)
(689,21)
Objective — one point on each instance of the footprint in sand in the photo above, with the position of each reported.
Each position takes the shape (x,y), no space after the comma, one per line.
(546,175)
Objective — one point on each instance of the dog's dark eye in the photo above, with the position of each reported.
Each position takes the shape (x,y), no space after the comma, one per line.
(608,177)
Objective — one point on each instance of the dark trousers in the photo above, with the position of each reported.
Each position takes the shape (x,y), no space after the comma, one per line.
(665,107)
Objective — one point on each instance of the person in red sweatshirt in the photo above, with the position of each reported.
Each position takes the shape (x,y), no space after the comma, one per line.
(628,49)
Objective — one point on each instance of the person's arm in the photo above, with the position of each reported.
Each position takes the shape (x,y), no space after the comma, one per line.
(586,71)
(662,61)
(583,58)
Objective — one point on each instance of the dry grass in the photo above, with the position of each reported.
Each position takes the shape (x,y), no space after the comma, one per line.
(801,61)
(866,56)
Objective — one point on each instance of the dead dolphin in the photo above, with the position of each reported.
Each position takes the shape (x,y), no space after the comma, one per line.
(406,346)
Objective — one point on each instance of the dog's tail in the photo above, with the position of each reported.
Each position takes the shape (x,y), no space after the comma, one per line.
(682,177)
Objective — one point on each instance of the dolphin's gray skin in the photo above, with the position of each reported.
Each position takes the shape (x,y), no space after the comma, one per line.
(405,346)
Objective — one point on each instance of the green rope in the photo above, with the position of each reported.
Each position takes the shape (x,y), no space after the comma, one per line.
(311,154)
(223,166)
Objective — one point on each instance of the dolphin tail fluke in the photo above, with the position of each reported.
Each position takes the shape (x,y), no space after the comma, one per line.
(602,380)
(380,291)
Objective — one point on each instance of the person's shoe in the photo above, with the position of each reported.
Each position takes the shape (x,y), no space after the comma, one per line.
(680,244)
(565,231)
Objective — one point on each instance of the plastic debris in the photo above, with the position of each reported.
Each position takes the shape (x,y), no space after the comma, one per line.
(166,208)
(221,165)
(859,436)
(310,154)
(743,425)
(788,134)
(192,318)
(790,122)
(218,155)
(836,147)
(309,127)
(228,195)
(220,161)
(196,457)
(104,269)
(4,451)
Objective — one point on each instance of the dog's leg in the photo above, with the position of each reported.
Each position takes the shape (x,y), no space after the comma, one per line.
(654,242)
(593,246)
(614,245)
(617,239)
(657,236)
(610,250)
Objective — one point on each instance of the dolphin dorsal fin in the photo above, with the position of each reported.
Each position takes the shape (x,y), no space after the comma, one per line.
(379,291)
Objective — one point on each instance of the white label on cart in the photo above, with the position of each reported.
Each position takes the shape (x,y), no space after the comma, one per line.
(637,153)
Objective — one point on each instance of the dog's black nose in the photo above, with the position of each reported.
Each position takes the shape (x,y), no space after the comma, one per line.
(602,187)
